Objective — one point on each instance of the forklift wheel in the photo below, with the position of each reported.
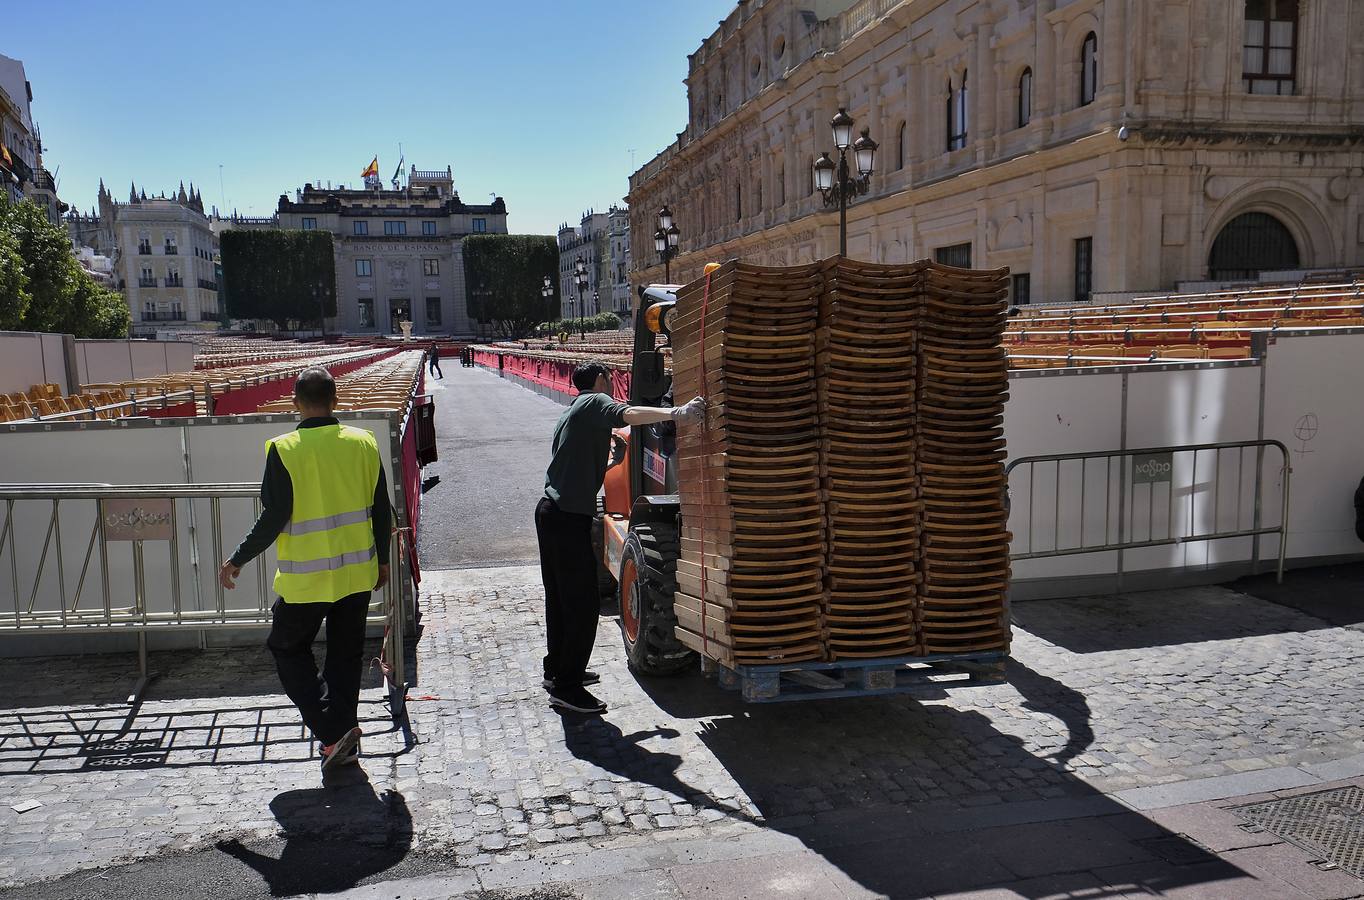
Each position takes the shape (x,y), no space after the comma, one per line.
(647,583)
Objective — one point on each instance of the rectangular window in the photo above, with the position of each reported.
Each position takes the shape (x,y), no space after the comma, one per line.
(366,313)
(360,227)
(1021,293)
(309,223)
(172,248)
(432,310)
(392,228)
(480,226)
(1270,49)
(428,228)
(430,267)
(958,255)
(363,268)
(1084,269)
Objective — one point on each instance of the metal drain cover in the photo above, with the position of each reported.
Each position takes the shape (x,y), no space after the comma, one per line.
(1327,824)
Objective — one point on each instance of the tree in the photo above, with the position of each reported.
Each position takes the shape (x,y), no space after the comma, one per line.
(278,275)
(47,290)
(505,274)
(14,296)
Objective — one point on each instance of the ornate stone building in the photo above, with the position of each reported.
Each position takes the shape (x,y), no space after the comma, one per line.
(618,275)
(588,241)
(399,253)
(1092,146)
(164,260)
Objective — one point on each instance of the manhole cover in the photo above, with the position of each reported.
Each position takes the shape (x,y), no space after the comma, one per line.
(1327,824)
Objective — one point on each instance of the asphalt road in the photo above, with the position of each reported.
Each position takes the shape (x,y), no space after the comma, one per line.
(493,437)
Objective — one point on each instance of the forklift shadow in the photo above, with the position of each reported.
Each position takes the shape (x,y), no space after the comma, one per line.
(913,797)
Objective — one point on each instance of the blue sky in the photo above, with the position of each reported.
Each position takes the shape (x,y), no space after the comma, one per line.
(540,102)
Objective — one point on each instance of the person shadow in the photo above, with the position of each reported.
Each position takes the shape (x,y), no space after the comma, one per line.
(601,742)
(335,837)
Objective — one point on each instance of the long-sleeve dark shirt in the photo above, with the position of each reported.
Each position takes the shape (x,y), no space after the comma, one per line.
(277,505)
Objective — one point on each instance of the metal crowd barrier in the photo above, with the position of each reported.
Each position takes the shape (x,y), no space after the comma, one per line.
(110,590)
(1146,484)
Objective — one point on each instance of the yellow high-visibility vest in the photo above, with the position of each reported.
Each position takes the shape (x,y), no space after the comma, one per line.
(326,550)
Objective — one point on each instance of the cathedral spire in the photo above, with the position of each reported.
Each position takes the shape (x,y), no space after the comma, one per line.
(132,192)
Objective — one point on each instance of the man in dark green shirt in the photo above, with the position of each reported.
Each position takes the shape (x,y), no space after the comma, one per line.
(563,524)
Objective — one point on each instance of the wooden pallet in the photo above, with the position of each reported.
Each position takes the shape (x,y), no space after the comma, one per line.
(858,678)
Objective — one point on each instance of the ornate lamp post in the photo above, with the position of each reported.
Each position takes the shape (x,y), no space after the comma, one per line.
(665,241)
(580,275)
(546,290)
(835,181)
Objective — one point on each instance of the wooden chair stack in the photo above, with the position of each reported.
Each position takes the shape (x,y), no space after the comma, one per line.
(753,515)
(867,379)
(963,383)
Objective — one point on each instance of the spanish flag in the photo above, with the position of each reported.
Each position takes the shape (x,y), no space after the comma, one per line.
(371,170)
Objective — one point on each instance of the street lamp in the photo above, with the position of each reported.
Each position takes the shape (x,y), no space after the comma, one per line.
(665,241)
(546,290)
(835,181)
(580,275)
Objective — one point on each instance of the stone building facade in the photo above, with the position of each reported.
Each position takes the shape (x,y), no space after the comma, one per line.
(399,253)
(618,271)
(1092,146)
(165,261)
(588,241)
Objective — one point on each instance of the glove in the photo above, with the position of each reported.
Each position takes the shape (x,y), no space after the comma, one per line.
(693,413)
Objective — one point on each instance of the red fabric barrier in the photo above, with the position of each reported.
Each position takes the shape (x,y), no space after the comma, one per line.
(177,410)
(552,373)
(412,494)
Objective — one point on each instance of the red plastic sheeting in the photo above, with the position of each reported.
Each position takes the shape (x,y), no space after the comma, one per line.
(241,401)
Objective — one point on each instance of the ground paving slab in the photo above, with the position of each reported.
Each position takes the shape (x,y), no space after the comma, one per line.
(1125,722)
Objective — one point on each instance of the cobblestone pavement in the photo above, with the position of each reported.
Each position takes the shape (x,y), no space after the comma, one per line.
(1104,694)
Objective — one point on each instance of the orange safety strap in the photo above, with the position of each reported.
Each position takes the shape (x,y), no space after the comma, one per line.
(705,455)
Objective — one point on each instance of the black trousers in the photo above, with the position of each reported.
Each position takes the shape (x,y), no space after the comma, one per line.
(569,570)
(328,702)
(435,367)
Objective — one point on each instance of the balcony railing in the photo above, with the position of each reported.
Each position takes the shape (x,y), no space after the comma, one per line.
(163,316)
(175,282)
(208,285)
(144,249)
(172,250)
(146,282)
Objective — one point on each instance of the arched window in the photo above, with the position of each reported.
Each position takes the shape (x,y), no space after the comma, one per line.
(957,109)
(1270,53)
(1025,98)
(902,155)
(1089,69)
(1251,243)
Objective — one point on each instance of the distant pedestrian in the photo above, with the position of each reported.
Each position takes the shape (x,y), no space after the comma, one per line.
(563,525)
(435,361)
(325,498)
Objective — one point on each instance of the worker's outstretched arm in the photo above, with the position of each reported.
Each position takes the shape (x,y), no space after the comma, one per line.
(648,415)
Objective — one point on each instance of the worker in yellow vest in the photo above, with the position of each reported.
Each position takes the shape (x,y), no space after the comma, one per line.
(325,498)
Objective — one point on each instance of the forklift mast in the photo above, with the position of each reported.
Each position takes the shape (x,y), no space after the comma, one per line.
(649,381)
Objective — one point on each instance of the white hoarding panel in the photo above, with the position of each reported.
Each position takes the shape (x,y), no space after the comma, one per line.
(29,358)
(1204,492)
(1314,403)
(1061,414)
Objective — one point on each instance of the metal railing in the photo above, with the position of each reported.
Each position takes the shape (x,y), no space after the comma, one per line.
(98,567)
(1147,486)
